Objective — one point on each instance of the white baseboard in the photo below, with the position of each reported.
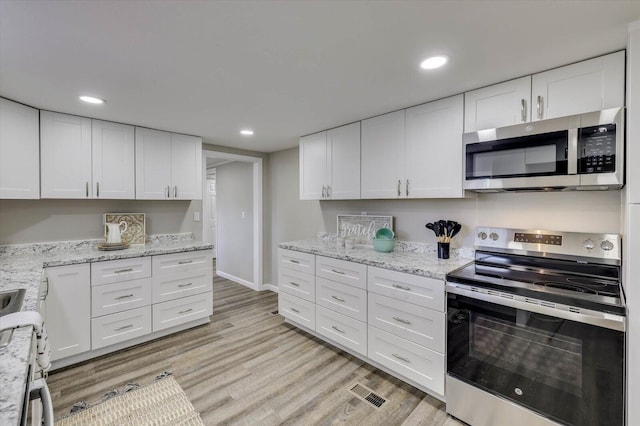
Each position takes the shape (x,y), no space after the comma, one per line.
(235,279)
(270,287)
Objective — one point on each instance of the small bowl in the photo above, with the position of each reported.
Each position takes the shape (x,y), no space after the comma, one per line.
(383,245)
(384,234)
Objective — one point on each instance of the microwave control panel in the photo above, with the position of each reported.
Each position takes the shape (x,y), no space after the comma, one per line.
(597,149)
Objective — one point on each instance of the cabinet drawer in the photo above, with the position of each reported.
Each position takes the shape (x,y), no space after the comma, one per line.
(115,328)
(415,323)
(414,362)
(114,271)
(180,311)
(297,310)
(423,291)
(182,262)
(297,284)
(342,298)
(111,298)
(297,261)
(350,273)
(342,329)
(181,284)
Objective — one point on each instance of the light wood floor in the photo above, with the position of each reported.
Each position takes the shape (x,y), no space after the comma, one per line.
(248,367)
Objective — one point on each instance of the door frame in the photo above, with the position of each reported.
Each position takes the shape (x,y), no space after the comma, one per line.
(257,212)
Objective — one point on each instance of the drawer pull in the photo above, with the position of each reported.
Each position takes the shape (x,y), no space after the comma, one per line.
(294,283)
(404,321)
(401,287)
(184,262)
(120,271)
(295,310)
(124,327)
(185,311)
(400,357)
(337,329)
(337,272)
(185,285)
(339,299)
(293,261)
(126,296)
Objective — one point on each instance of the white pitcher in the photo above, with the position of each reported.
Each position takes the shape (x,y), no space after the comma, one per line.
(114,231)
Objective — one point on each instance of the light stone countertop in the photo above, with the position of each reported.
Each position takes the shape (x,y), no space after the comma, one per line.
(410,257)
(21,266)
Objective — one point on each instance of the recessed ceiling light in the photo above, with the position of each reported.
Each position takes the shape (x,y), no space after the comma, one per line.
(92,100)
(433,62)
(246,132)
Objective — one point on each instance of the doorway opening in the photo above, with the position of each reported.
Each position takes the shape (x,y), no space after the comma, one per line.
(225,224)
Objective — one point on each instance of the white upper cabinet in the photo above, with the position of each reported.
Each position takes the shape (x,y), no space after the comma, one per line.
(19,151)
(65,156)
(168,166)
(113,160)
(433,149)
(330,164)
(502,104)
(585,86)
(382,156)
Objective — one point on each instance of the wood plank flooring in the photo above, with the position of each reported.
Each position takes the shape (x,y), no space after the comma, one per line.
(248,367)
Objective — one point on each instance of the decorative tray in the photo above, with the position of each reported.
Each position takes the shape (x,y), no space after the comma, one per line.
(112,246)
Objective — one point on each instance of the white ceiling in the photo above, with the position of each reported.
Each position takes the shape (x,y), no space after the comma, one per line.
(283,68)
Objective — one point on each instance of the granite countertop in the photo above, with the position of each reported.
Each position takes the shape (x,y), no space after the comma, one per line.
(410,257)
(21,266)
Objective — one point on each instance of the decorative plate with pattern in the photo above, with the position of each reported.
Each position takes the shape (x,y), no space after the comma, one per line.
(135,233)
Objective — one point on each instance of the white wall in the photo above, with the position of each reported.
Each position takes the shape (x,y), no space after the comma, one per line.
(27,221)
(234,194)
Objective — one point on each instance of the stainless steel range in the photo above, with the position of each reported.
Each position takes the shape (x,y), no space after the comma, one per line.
(535,330)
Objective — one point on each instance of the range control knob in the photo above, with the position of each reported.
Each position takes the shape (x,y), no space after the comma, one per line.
(606,245)
(494,236)
(588,244)
(482,235)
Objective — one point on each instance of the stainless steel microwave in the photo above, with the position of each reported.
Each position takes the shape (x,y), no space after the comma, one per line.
(578,152)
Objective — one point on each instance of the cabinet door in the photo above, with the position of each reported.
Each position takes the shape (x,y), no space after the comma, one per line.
(113,158)
(582,87)
(65,155)
(502,104)
(153,164)
(186,167)
(313,166)
(382,154)
(433,149)
(343,162)
(68,310)
(19,151)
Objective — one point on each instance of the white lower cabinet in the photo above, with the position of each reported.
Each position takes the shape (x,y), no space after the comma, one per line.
(342,298)
(180,311)
(342,329)
(297,310)
(119,327)
(415,362)
(297,284)
(111,298)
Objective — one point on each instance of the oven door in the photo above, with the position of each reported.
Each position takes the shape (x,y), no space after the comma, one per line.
(568,371)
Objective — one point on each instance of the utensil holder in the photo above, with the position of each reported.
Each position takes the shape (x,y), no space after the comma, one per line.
(443,250)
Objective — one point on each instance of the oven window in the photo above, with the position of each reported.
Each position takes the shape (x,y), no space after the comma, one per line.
(555,360)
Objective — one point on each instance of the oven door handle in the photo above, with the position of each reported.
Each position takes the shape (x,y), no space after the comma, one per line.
(585,316)
(38,389)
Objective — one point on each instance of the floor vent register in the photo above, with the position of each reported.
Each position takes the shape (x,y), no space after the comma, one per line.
(367,395)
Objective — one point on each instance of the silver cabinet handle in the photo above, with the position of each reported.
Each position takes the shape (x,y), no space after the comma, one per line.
(324,191)
(523,110)
(124,327)
(404,321)
(401,287)
(168,193)
(295,310)
(184,285)
(86,189)
(339,299)
(126,296)
(294,283)
(337,272)
(294,261)
(97,189)
(399,184)
(120,271)
(339,330)
(400,357)
(175,191)
(328,191)
(407,187)
(184,262)
(540,107)
(185,311)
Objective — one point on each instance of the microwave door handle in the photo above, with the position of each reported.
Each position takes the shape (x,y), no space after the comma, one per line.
(572,155)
